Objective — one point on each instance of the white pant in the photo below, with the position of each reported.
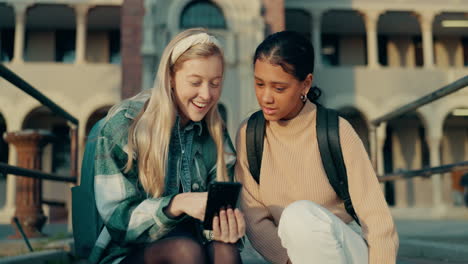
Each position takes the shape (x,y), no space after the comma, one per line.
(312,234)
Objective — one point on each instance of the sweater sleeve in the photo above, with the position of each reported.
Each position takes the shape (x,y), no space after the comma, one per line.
(261,230)
(368,200)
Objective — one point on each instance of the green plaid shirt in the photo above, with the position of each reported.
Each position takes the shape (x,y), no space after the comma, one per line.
(130,216)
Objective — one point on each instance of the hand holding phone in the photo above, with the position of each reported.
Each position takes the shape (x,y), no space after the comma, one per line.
(220,195)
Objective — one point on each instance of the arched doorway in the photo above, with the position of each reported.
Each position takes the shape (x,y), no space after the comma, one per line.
(55,159)
(359,123)
(202,14)
(405,148)
(455,149)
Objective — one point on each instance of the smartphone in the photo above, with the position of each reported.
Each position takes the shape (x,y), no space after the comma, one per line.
(220,194)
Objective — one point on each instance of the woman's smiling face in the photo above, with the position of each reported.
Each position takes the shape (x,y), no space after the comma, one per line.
(197,87)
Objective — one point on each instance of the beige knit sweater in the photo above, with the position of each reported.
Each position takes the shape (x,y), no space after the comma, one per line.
(292,170)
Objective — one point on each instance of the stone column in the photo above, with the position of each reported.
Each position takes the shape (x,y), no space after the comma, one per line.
(371,17)
(426,19)
(317,35)
(434,139)
(81,28)
(20,25)
(381,136)
(29,144)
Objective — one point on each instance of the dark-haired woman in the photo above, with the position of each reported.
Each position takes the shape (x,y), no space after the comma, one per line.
(294,214)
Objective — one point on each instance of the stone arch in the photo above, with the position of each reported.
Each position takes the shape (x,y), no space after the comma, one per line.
(445,107)
(93,103)
(359,122)
(28,104)
(177,7)
(396,102)
(366,107)
(98,113)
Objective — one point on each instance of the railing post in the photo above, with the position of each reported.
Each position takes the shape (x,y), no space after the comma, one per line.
(74,150)
(29,144)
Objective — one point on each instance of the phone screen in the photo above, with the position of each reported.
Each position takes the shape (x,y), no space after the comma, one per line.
(220,194)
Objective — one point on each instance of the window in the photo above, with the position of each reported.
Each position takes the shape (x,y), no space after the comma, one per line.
(418,51)
(202,14)
(7,37)
(330,50)
(114,47)
(382,46)
(65,46)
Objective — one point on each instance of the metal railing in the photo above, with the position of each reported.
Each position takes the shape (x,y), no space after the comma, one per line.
(407,108)
(73,123)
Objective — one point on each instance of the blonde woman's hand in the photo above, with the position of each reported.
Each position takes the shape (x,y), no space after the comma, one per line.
(228,226)
(190,203)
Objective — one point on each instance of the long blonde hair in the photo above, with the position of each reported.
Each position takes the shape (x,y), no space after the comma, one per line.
(150,133)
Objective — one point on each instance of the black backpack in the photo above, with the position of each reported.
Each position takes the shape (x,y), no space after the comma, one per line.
(327,128)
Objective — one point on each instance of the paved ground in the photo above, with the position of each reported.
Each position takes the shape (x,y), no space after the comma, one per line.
(421,242)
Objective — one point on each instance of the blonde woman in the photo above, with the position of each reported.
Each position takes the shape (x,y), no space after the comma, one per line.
(155,156)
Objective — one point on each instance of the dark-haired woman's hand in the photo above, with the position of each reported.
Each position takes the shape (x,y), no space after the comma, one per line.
(228,226)
(190,203)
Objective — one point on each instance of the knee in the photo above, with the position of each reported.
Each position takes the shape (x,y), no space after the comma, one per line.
(302,216)
(189,249)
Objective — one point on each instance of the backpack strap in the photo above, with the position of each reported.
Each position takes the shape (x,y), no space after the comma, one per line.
(328,137)
(254,143)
